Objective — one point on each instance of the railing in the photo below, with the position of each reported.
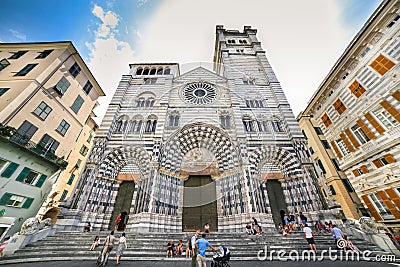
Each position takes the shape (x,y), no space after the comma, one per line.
(14,137)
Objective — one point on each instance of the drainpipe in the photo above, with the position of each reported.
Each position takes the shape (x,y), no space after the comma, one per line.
(31,95)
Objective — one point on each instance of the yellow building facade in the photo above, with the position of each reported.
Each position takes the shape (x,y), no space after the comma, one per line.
(48,94)
(333,180)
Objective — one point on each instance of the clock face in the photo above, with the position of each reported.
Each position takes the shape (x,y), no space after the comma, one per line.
(199,93)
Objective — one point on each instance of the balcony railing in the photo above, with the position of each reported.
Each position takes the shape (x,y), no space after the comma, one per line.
(13,136)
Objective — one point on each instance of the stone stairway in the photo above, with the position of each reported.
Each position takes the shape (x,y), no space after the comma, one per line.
(151,246)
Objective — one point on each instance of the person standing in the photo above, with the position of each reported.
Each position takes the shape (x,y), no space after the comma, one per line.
(309,236)
(108,245)
(193,247)
(206,228)
(121,247)
(337,235)
(201,246)
(303,218)
(117,222)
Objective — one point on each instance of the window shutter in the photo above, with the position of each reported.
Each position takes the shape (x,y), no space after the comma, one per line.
(355,172)
(393,196)
(371,208)
(5,198)
(377,163)
(374,123)
(389,204)
(41,180)
(364,169)
(396,95)
(338,153)
(391,109)
(23,174)
(28,202)
(389,158)
(347,143)
(10,170)
(365,129)
(352,138)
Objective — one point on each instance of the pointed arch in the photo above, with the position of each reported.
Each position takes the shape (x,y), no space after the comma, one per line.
(116,159)
(277,156)
(199,135)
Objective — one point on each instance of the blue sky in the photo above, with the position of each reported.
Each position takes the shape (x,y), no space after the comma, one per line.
(110,34)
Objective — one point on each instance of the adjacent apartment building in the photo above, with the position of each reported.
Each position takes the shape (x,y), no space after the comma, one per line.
(47,93)
(357,107)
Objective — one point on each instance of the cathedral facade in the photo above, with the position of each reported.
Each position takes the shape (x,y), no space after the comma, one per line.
(178,150)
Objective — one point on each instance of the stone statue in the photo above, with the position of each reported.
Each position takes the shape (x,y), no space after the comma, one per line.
(46,223)
(369,225)
(30,226)
(33,225)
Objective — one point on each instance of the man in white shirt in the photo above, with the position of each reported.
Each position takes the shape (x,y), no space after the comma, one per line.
(309,236)
(193,247)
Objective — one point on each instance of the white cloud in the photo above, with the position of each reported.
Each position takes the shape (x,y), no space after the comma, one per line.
(302,39)
(20,36)
(109,21)
(109,57)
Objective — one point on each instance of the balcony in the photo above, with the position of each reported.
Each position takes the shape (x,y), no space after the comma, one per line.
(12,136)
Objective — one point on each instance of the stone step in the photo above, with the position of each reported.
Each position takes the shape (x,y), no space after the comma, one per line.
(74,246)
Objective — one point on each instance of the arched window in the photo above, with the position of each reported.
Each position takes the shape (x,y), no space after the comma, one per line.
(142,102)
(148,126)
(265,124)
(167,71)
(153,71)
(125,126)
(148,102)
(261,103)
(154,126)
(173,120)
(248,125)
(139,71)
(160,71)
(225,120)
(133,125)
(260,126)
(152,101)
(118,128)
(277,126)
(139,126)
(146,71)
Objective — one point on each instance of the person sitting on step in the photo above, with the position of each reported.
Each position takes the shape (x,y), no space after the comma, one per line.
(170,249)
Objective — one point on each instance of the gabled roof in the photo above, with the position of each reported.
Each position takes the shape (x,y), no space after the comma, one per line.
(201,70)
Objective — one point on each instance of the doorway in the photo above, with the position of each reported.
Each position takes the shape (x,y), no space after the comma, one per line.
(199,204)
(122,204)
(276,201)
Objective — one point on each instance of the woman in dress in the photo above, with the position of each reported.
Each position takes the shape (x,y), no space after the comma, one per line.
(121,247)
(95,243)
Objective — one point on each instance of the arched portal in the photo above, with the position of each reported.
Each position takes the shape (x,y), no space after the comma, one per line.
(282,181)
(209,179)
(128,166)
